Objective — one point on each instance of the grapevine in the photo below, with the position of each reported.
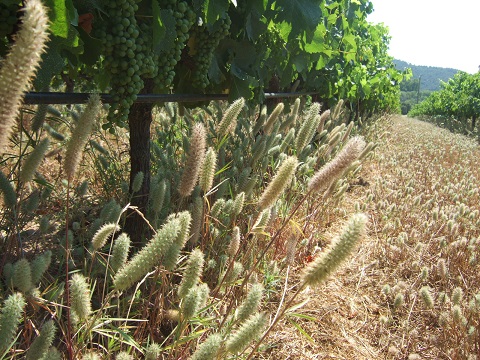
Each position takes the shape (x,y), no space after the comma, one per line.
(184,20)
(203,44)
(119,34)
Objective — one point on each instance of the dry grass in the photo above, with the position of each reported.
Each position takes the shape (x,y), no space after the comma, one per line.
(423,202)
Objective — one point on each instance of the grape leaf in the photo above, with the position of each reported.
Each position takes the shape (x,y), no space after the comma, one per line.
(215,9)
(52,64)
(239,88)
(254,26)
(92,48)
(301,63)
(164,32)
(304,15)
(158,29)
(62,14)
(316,45)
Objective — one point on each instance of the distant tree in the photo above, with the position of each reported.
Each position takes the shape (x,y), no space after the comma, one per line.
(459,98)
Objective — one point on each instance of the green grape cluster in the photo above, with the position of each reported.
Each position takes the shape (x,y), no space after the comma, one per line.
(273,41)
(184,20)
(147,59)
(205,42)
(119,34)
(8,19)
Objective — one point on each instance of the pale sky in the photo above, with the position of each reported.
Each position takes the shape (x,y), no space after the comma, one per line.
(440,33)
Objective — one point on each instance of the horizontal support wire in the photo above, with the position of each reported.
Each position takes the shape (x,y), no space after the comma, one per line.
(81,98)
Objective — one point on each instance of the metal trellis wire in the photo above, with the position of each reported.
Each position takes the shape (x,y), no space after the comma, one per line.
(81,98)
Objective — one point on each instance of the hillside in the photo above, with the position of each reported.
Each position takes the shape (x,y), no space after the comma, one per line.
(430,75)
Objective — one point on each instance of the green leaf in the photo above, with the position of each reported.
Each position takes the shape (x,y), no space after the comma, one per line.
(215,74)
(254,26)
(240,88)
(52,64)
(285,29)
(158,29)
(304,15)
(102,79)
(165,36)
(316,45)
(59,17)
(216,9)
(301,330)
(325,57)
(350,40)
(332,19)
(92,48)
(301,62)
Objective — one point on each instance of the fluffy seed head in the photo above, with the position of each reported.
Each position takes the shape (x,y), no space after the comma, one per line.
(197,220)
(238,204)
(234,242)
(251,303)
(9,195)
(192,272)
(33,160)
(101,236)
(457,296)
(191,303)
(295,109)
(149,256)
(335,168)
(399,301)
(22,275)
(273,118)
(217,208)
(39,265)
(281,180)
(157,196)
(323,117)
(208,349)
(121,246)
(207,172)
(20,65)
(260,121)
(80,135)
(80,296)
(318,270)
(229,119)
(10,318)
(137,182)
(153,352)
(289,138)
(261,222)
(457,314)
(194,162)
(42,343)
(426,296)
(249,331)
(171,255)
(308,128)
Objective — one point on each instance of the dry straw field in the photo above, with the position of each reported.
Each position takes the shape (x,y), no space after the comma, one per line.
(412,290)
